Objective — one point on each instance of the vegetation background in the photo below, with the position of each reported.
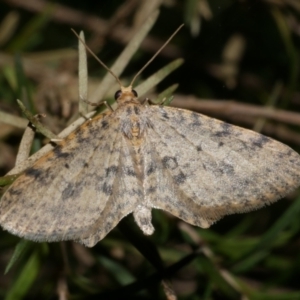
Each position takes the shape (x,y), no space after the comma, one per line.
(241,64)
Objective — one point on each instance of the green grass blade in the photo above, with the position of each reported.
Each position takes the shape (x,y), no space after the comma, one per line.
(158,76)
(269,238)
(20,250)
(25,279)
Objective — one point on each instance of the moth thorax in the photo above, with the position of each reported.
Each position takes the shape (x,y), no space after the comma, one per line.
(135,125)
(127,98)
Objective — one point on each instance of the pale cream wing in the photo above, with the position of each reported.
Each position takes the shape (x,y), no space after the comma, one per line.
(67,191)
(200,169)
(126,193)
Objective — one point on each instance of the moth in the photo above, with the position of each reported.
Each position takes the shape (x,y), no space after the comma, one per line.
(139,157)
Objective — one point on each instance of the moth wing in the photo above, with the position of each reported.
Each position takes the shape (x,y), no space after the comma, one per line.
(126,194)
(67,191)
(200,169)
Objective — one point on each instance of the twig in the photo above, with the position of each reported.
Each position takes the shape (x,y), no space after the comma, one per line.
(280,132)
(34,121)
(228,108)
(271,104)
(62,288)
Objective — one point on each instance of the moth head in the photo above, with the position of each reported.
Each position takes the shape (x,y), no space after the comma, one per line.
(126,93)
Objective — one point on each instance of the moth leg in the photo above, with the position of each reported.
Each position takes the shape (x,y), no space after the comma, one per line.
(97,104)
(108,105)
(147,101)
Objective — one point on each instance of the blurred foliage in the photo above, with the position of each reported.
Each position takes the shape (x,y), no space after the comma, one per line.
(243,50)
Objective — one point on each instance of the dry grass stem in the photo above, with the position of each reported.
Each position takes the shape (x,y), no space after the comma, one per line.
(82,77)
(25,144)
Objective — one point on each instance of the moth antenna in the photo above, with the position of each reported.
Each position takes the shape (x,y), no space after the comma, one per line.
(98,59)
(157,52)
